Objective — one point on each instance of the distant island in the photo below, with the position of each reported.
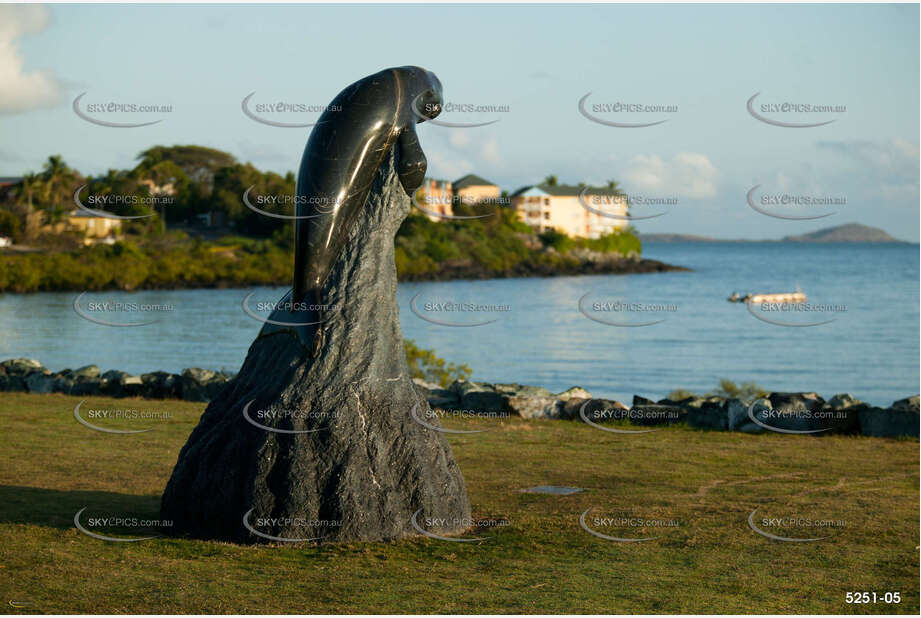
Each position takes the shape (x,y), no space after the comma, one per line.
(849,232)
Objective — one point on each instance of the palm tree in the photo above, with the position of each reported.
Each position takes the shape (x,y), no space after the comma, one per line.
(58,184)
(29,187)
(614,186)
(550,180)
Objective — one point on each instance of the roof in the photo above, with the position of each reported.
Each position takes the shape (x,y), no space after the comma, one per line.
(78,213)
(10,180)
(472,180)
(568,190)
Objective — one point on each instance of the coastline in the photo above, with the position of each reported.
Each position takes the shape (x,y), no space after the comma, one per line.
(610,266)
(274,275)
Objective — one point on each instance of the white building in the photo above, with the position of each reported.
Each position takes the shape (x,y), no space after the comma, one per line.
(587,212)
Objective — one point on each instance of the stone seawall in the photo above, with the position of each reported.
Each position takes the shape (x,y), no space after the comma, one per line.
(789,413)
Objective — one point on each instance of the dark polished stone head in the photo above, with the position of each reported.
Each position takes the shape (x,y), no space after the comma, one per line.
(428,104)
(345,151)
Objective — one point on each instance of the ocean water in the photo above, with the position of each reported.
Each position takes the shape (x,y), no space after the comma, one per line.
(866,295)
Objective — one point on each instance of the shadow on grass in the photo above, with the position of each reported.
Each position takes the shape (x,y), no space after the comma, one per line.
(56,509)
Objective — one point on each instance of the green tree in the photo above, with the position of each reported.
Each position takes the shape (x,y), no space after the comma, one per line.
(426,365)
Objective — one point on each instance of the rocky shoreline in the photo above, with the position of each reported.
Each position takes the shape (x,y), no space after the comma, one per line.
(788,413)
(582,262)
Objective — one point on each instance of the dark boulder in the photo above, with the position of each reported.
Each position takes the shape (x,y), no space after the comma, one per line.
(891,423)
(709,415)
(39,382)
(595,410)
(808,413)
(200,384)
(161,385)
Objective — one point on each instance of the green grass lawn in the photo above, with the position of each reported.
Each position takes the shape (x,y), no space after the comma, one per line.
(543,561)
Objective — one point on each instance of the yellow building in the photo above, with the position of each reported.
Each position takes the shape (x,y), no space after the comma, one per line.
(587,212)
(92,227)
(471,189)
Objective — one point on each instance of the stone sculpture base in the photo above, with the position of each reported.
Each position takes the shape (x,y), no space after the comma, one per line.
(346,460)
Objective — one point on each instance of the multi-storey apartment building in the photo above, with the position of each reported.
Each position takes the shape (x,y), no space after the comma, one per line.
(587,212)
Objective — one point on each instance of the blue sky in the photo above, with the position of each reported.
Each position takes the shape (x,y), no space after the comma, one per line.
(538,60)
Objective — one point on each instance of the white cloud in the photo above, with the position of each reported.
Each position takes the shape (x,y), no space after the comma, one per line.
(887,168)
(23,91)
(895,156)
(459,152)
(687,174)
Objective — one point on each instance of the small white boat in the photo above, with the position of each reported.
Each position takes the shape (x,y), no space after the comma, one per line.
(782,297)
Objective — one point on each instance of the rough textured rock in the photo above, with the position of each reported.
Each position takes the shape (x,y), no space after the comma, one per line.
(522,390)
(483,399)
(161,385)
(437,396)
(892,423)
(710,415)
(808,412)
(842,401)
(367,466)
(909,404)
(200,384)
(574,392)
(736,414)
(87,386)
(534,407)
(40,382)
(642,401)
(534,402)
(89,371)
(21,366)
(596,410)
